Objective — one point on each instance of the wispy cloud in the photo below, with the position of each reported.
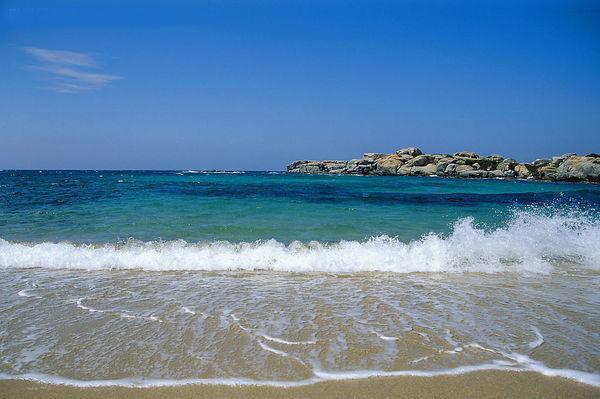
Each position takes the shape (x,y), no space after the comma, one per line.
(61,57)
(69,71)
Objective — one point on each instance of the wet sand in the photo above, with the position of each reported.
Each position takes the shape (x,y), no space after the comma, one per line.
(483,384)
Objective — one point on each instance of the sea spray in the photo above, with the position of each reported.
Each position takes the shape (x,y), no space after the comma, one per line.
(531,242)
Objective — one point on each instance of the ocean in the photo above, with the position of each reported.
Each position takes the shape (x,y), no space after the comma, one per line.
(159,278)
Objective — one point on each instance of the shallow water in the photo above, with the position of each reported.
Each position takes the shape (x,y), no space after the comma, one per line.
(285,280)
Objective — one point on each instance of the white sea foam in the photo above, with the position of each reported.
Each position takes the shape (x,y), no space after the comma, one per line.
(384,337)
(283,341)
(529,242)
(420,359)
(319,376)
(125,314)
(26,293)
(80,305)
(454,351)
(273,350)
(260,337)
(268,337)
(185,309)
(539,339)
(535,365)
(475,345)
(539,367)
(207,172)
(128,315)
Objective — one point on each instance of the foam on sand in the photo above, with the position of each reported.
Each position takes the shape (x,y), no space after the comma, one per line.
(522,363)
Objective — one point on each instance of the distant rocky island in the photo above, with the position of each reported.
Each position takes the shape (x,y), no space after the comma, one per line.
(413,162)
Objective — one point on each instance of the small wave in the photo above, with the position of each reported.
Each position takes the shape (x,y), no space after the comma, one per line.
(529,242)
(26,292)
(189,311)
(454,351)
(539,339)
(267,337)
(80,305)
(538,367)
(260,338)
(319,376)
(207,172)
(475,345)
(384,337)
(272,350)
(420,359)
(283,341)
(128,315)
(125,314)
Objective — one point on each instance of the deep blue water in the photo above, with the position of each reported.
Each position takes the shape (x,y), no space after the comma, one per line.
(111,206)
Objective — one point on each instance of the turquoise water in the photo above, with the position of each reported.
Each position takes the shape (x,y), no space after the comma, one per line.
(175,277)
(107,206)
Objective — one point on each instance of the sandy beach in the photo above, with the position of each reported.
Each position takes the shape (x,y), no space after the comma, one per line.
(485,384)
(299,199)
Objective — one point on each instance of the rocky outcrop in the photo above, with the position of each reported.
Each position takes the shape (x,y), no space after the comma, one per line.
(576,168)
(465,164)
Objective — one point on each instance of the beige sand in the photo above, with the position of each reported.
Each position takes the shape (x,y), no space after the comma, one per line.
(484,384)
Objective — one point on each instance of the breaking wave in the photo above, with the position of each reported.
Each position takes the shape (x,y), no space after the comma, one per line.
(530,242)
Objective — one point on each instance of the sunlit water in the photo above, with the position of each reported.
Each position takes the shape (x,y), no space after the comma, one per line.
(149,278)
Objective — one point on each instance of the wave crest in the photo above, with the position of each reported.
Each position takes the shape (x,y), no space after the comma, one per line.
(529,242)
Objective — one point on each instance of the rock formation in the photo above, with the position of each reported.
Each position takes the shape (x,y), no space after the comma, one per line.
(413,162)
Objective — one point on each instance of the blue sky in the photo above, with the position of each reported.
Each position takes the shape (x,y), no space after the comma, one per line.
(256,84)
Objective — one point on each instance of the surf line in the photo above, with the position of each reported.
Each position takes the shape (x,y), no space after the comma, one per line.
(260,337)
(580,376)
(269,337)
(126,314)
(25,291)
(187,310)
